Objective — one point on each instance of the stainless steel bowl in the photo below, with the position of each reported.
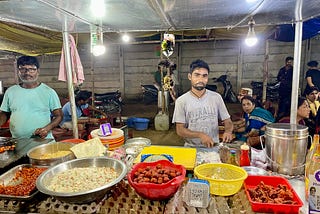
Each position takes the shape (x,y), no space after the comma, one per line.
(138,141)
(252,170)
(134,146)
(35,154)
(85,196)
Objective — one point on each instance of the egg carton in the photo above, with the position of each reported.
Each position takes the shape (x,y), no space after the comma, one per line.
(124,199)
(52,205)
(18,206)
(237,203)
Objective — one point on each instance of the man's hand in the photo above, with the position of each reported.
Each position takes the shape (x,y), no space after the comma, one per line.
(42,132)
(206,140)
(227,137)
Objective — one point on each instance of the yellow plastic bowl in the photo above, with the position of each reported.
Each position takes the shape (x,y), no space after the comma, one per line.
(224,179)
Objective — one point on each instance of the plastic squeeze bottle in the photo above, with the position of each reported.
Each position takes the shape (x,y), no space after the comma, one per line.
(314,181)
(310,153)
(244,155)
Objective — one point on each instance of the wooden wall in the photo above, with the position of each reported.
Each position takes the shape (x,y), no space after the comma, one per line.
(126,67)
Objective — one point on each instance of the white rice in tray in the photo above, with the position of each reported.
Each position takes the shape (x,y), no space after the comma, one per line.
(82,179)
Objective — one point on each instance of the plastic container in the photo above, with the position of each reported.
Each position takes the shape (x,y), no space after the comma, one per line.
(225,179)
(252,181)
(244,155)
(161,122)
(154,191)
(141,123)
(197,193)
(130,122)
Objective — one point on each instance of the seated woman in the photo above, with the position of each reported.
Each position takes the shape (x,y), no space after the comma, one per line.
(255,119)
(303,112)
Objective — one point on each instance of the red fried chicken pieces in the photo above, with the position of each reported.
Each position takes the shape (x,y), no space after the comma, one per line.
(263,193)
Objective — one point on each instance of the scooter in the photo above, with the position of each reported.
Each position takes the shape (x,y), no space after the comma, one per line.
(228,94)
(110,102)
(149,94)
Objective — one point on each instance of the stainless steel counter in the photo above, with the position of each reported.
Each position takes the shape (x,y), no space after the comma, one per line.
(22,147)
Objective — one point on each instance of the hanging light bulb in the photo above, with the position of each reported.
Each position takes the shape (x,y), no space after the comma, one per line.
(97,47)
(168,44)
(125,38)
(98,50)
(251,39)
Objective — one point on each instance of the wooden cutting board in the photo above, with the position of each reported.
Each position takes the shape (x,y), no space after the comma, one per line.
(181,155)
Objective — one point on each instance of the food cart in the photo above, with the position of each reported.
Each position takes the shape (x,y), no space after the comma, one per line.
(72,16)
(122,197)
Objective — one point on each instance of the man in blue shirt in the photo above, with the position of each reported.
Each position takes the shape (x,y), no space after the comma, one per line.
(30,104)
(81,100)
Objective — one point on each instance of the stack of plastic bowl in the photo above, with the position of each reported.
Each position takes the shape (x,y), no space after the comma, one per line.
(113,141)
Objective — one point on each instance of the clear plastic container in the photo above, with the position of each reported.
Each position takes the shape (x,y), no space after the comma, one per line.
(197,193)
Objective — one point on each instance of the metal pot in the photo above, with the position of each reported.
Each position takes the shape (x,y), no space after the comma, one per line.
(286,147)
(85,196)
(35,154)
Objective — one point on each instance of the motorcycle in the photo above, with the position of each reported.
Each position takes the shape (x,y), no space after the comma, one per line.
(272,90)
(149,94)
(228,94)
(110,102)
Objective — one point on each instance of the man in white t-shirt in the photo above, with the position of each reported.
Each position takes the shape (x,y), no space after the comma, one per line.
(198,111)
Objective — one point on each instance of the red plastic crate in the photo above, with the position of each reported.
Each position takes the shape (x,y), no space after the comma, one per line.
(252,181)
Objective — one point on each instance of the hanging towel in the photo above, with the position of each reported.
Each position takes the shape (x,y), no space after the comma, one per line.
(76,66)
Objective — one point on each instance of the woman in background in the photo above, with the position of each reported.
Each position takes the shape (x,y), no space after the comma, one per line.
(256,119)
(303,112)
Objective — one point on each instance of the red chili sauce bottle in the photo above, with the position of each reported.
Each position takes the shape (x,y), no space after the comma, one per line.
(244,155)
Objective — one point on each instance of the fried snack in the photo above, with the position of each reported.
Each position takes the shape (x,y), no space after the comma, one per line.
(157,175)
(23,183)
(263,193)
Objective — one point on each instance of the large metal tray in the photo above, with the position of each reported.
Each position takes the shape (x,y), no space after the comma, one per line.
(7,177)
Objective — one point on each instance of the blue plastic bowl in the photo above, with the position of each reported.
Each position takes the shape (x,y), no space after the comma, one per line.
(141,123)
(130,122)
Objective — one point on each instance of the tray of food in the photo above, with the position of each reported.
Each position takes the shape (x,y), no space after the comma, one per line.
(272,194)
(7,144)
(19,183)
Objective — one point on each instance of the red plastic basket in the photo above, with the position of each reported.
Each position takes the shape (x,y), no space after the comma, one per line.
(252,181)
(157,191)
